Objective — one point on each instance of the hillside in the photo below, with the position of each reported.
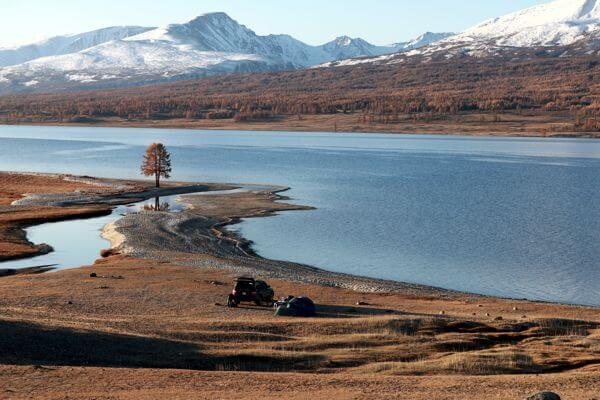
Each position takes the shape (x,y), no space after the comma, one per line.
(540,63)
(543,84)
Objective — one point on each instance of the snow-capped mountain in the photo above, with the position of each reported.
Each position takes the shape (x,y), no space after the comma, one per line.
(556,24)
(570,27)
(66,44)
(217,32)
(207,45)
(561,22)
(424,40)
(346,47)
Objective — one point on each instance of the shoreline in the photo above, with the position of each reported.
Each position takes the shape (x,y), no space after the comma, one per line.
(291,271)
(94,197)
(210,221)
(468,125)
(209,215)
(202,230)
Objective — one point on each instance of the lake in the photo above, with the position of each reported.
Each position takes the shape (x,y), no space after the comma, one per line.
(499,216)
(78,242)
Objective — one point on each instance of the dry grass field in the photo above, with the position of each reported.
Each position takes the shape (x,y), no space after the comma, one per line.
(143,329)
(128,328)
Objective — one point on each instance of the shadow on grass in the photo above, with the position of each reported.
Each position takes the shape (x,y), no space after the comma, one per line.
(331,311)
(334,311)
(29,344)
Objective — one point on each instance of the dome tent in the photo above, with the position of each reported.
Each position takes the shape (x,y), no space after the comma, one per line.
(297,307)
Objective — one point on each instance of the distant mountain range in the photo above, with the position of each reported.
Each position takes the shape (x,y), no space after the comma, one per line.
(211,44)
(561,27)
(345,47)
(214,44)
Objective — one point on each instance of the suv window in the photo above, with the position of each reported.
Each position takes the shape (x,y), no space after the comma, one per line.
(248,286)
(261,285)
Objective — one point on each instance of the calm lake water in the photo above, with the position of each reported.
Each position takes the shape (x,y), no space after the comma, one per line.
(499,216)
(78,242)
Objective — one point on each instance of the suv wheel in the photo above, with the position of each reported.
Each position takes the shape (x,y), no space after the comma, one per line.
(269,302)
(231,303)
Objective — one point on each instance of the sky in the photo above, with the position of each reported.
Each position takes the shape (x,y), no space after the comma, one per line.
(312,21)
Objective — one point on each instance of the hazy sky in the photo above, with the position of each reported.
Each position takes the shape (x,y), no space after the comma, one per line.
(313,21)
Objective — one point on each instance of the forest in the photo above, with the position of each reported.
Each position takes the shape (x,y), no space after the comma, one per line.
(372,92)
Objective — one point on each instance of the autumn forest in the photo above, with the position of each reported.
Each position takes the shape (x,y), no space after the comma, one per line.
(371,93)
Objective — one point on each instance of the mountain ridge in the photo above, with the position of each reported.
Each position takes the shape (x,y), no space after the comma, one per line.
(572,24)
(215,44)
(210,44)
(64,44)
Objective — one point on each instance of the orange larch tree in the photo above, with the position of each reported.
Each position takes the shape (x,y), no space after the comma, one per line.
(157,162)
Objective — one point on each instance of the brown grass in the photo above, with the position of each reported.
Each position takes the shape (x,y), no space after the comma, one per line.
(565,327)
(177,304)
(165,318)
(483,363)
(15,186)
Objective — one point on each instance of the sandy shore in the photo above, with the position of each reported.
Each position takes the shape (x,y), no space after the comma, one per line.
(150,322)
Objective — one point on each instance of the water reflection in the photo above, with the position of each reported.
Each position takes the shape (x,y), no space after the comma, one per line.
(157,206)
(165,203)
(78,242)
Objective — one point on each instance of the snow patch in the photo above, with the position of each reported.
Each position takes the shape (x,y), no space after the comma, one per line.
(560,22)
(81,78)
(65,44)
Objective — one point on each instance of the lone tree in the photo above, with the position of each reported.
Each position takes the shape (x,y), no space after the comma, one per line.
(157,162)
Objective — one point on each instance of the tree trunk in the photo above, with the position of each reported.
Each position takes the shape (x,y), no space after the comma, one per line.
(157,180)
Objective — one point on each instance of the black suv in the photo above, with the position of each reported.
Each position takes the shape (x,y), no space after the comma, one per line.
(249,290)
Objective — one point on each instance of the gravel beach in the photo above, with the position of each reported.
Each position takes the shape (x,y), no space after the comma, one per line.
(202,229)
